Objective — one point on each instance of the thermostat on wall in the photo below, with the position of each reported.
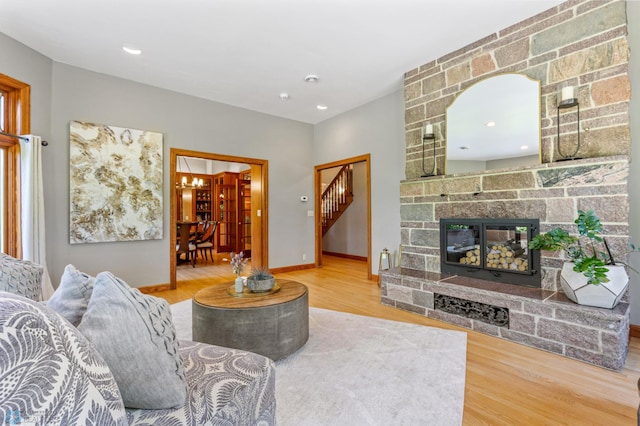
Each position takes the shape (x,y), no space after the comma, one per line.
(304,198)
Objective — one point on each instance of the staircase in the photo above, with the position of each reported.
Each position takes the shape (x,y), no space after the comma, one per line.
(337,197)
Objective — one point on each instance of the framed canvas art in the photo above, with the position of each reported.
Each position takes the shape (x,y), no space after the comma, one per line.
(115,184)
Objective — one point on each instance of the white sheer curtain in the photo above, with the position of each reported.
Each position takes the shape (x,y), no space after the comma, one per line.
(32,206)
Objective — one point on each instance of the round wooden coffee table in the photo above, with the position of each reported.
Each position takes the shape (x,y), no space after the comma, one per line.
(271,324)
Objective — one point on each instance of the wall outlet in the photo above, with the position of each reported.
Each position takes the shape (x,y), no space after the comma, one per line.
(304,256)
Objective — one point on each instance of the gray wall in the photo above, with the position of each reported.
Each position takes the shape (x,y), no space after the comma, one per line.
(60,93)
(633,20)
(28,66)
(376,128)
(349,234)
(186,122)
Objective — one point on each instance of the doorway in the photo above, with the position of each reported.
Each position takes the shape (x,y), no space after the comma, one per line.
(258,194)
(318,190)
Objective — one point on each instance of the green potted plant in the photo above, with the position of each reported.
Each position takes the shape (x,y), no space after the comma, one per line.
(591,277)
(260,279)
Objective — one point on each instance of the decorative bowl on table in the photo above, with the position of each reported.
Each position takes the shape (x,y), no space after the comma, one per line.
(260,280)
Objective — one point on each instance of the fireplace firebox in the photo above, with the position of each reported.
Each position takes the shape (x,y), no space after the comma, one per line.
(491,249)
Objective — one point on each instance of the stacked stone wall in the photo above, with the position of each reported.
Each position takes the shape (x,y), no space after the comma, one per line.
(552,193)
(578,43)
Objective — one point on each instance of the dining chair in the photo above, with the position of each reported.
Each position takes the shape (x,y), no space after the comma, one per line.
(206,242)
(185,245)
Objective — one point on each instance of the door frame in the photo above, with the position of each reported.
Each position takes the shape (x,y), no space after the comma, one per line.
(366,158)
(262,218)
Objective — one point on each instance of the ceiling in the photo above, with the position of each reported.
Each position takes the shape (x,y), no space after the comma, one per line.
(246,52)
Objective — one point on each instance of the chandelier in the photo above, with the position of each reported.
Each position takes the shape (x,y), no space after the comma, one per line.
(184,183)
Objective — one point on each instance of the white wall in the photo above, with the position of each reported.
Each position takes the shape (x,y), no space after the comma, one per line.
(376,128)
(633,20)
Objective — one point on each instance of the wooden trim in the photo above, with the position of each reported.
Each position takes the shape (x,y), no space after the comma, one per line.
(292,268)
(344,255)
(340,163)
(174,153)
(173,234)
(256,220)
(634,330)
(366,158)
(154,288)
(18,122)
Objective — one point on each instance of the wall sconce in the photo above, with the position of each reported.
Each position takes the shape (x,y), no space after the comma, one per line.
(429,136)
(568,100)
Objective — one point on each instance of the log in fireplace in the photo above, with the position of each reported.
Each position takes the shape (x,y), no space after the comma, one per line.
(491,249)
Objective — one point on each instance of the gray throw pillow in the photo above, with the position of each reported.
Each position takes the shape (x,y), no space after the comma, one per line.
(71,298)
(50,373)
(135,335)
(21,277)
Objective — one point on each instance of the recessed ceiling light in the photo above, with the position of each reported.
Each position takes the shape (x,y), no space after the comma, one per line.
(132,50)
(321,107)
(491,124)
(284,96)
(311,78)
(523,147)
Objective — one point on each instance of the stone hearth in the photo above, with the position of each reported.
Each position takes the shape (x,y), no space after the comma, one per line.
(539,318)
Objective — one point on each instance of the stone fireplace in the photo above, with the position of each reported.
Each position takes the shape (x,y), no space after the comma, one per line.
(541,317)
(579,43)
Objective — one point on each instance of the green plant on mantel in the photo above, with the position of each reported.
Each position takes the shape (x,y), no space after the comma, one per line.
(585,251)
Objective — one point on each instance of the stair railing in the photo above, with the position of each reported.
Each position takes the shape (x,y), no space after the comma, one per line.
(336,193)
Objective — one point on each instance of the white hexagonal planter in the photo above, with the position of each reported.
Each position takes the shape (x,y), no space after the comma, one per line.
(606,295)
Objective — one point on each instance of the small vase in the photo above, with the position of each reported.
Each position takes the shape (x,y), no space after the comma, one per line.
(239,284)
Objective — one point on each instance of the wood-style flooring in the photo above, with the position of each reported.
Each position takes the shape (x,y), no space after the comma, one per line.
(506,383)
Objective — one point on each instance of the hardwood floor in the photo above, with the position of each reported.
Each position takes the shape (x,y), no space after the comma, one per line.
(506,383)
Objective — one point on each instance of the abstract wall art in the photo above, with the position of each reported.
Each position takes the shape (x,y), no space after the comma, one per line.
(115,184)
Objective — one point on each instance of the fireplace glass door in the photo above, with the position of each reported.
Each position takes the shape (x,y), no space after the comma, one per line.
(507,248)
(463,244)
(490,249)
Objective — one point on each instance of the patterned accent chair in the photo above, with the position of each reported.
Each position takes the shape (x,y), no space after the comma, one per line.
(51,374)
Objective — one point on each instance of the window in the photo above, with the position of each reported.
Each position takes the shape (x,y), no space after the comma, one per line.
(2,111)
(14,119)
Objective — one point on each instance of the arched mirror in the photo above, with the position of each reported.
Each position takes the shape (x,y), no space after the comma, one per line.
(494,124)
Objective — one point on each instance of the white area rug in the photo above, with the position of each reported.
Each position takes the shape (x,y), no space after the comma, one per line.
(357,370)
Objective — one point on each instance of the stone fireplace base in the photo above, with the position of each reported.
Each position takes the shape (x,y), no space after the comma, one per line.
(543,319)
